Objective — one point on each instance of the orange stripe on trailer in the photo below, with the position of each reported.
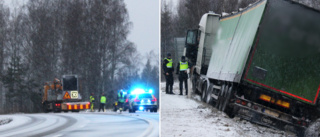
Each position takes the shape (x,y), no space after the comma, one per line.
(69,107)
(75,106)
(87,106)
(81,106)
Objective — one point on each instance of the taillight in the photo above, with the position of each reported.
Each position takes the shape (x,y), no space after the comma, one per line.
(154,99)
(136,99)
(127,100)
(238,101)
(243,103)
(58,105)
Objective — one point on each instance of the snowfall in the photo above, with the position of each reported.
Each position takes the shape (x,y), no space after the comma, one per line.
(189,117)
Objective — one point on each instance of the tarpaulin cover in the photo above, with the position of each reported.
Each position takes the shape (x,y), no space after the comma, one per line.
(286,52)
(232,43)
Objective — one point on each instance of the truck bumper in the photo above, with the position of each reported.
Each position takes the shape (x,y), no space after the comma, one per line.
(145,107)
(266,120)
(75,106)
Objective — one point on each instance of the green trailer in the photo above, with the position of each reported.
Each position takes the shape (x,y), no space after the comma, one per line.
(260,63)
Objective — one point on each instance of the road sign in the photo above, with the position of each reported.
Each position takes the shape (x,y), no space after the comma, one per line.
(74,94)
(66,95)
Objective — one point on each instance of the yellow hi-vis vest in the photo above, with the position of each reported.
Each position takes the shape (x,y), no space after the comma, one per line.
(121,98)
(103,99)
(183,66)
(91,99)
(169,64)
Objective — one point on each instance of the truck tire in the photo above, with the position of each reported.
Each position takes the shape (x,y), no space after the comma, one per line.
(223,99)
(44,108)
(227,98)
(203,94)
(209,98)
(220,96)
(194,85)
(155,110)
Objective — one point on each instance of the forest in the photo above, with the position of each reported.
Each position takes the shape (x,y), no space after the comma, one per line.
(46,39)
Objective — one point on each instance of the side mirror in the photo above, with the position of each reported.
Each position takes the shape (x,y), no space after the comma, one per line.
(192,37)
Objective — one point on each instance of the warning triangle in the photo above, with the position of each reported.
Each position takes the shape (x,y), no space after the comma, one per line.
(66,96)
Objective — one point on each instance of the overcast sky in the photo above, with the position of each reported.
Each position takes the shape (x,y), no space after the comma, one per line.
(144,14)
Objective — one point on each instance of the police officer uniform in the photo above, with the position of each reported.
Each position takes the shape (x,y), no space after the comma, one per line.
(121,99)
(168,70)
(182,68)
(91,102)
(103,100)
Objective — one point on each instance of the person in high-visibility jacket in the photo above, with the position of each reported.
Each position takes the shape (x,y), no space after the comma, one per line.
(103,101)
(91,102)
(182,68)
(121,99)
(168,70)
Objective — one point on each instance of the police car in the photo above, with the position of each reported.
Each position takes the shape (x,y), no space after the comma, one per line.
(142,100)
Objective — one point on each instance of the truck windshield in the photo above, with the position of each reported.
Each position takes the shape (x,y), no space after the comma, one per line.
(70,83)
(192,37)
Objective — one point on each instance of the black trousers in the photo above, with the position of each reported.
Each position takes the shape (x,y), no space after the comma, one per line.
(169,83)
(183,78)
(101,107)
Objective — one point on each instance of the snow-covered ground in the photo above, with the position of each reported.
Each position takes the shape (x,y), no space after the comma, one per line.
(95,124)
(5,121)
(182,116)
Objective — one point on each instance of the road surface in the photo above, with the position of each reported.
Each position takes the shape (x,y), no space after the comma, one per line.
(95,124)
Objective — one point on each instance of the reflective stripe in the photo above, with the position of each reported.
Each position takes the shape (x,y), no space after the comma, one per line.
(91,98)
(169,64)
(183,66)
(103,99)
(121,99)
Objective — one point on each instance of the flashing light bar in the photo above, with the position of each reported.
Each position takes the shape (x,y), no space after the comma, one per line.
(140,91)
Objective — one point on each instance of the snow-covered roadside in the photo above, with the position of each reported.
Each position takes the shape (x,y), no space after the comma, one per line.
(5,121)
(182,116)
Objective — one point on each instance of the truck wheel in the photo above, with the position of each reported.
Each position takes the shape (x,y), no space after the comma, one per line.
(208,98)
(220,97)
(227,98)
(194,88)
(44,108)
(155,110)
(204,91)
(223,99)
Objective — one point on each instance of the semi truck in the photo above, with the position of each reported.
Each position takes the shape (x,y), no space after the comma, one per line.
(63,96)
(260,63)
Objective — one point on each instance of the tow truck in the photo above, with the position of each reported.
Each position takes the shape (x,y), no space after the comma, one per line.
(63,96)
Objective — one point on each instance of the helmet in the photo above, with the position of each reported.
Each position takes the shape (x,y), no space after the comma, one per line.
(92,93)
(168,54)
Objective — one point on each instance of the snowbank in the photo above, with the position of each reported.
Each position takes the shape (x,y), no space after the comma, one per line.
(5,121)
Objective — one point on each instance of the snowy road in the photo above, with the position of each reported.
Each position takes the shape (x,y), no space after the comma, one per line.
(186,117)
(82,124)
